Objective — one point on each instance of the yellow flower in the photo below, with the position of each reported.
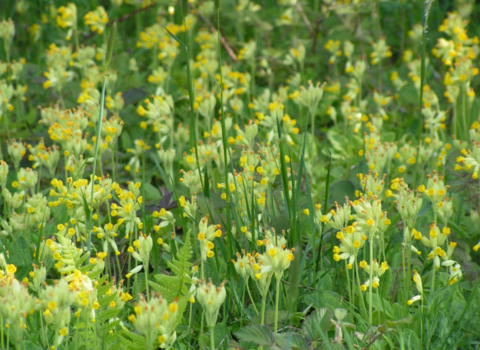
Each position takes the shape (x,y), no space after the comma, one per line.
(11,269)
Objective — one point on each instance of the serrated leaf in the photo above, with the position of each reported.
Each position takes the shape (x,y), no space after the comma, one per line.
(258,334)
(291,341)
(172,287)
(105,301)
(317,323)
(133,341)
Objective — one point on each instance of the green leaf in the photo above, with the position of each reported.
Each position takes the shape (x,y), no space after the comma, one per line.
(291,341)
(270,317)
(222,335)
(339,190)
(281,222)
(60,214)
(260,335)
(111,41)
(340,314)
(152,193)
(139,284)
(30,346)
(317,323)
(176,39)
(385,283)
(31,116)
(172,287)
(330,346)
(393,324)
(411,339)
(132,341)
(133,95)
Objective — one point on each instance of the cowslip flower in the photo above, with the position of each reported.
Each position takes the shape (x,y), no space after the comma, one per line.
(418,284)
(375,271)
(144,245)
(351,241)
(157,320)
(211,298)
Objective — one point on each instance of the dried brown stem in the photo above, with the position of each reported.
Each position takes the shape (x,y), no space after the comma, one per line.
(222,38)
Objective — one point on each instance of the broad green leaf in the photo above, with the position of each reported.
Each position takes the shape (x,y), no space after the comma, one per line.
(317,323)
(260,335)
(385,283)
(339,190)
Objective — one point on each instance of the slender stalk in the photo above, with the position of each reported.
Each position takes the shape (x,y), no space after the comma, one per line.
(145,267)
(222,122)
(479,192)
(97,142)
(409,265)
(212,338)
(422,83)
(432,287)
(118,266)
(348,282)
(359,289)
(262,316)
(251,299)
(371,283)
(277,294)
(201,330)
(404,272)
(464,111)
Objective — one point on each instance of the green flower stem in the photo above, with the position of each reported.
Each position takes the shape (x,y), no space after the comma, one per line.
(405,279)
(118,266)
(409,265)
(348,282)
(432,288)
(359,289)
(223,125)
(251,299)
(201,330)
(212,338)
(370,292)
(262,316)
(145,267)
(97,142)
(464,110)
(275,327)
